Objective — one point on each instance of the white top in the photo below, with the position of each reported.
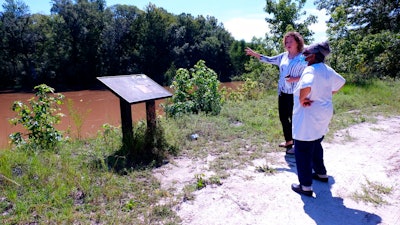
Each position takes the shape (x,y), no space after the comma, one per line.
(311,123)
(293,67)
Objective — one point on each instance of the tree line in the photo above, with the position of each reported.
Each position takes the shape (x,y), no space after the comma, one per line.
(364,36)
(81,40)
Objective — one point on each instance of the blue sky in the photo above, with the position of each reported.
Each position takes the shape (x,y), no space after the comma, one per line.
(244,19)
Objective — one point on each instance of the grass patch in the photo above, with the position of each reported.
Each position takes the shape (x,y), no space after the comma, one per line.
(373,193)
(266,169)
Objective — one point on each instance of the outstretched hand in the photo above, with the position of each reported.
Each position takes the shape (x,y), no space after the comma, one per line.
(251,52)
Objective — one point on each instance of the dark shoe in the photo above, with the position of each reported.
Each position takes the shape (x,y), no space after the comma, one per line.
(322,179)
(298,189)
(290,151)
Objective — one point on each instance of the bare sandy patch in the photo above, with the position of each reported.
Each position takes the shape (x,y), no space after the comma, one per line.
(359,158)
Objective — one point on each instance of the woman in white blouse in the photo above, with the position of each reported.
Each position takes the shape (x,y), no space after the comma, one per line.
(291,65)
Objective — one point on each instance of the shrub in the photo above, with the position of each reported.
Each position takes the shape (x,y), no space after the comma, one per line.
(195,90)
(39,118)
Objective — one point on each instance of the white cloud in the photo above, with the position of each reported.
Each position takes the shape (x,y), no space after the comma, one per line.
(246,28)
(320,27)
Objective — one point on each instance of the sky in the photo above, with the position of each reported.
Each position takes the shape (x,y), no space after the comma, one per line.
(244,19)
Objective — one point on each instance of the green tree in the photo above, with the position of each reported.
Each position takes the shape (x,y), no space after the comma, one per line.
(17,44)
(201,38)
(370,16)
(238,57)
(264,73)
(378,55)
(154,48)
(341,41)
(83,39)
(84,22)
(195,90)
(119,45)
(364,36)
(284,16)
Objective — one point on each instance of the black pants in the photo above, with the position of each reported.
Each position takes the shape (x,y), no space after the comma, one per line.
(285,107)
(309,156)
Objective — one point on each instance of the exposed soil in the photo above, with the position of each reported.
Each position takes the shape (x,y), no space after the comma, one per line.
(361,157)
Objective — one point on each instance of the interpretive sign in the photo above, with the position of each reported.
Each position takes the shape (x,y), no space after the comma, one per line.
(131,89)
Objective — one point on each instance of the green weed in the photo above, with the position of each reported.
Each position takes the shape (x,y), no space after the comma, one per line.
(266,169)
(77,116)
(373,193)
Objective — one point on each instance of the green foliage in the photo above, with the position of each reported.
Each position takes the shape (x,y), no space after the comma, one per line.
(375,56)
(249,90)
(195,90)
(202,181)
(266,169)
(238,58)
(368,17)
(378,55)
(264,73)
(39,118)
(82,40)
(149,148)
(284,16)
(364,37)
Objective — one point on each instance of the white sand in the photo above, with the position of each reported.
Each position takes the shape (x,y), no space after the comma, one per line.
(362,153)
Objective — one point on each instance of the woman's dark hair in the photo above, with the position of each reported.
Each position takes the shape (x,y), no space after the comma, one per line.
(297,37)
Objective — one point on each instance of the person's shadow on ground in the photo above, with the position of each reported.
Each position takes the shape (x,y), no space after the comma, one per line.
(325,209)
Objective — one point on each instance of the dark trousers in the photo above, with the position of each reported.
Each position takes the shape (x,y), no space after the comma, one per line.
(309,156)
(285,107)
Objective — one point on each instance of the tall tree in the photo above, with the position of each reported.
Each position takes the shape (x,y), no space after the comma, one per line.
(238,58)
(84,23)
(287,15)
(364,36)
(17,43)
(368,16)
(214,48)
(120,40)
(153,48)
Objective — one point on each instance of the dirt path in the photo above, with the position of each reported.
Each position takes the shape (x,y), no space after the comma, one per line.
(361,157)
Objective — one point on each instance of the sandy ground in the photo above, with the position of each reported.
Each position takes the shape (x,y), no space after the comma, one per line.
(367,152)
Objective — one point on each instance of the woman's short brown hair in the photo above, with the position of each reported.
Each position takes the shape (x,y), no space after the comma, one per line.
(297,37)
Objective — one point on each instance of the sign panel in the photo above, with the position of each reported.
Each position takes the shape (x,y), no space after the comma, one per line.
(135,88)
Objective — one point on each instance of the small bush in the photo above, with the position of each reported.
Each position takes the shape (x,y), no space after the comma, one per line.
(195,90)
(39,118)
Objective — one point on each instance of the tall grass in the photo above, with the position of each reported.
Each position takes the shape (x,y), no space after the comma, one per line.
(363,103)
(75,185)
